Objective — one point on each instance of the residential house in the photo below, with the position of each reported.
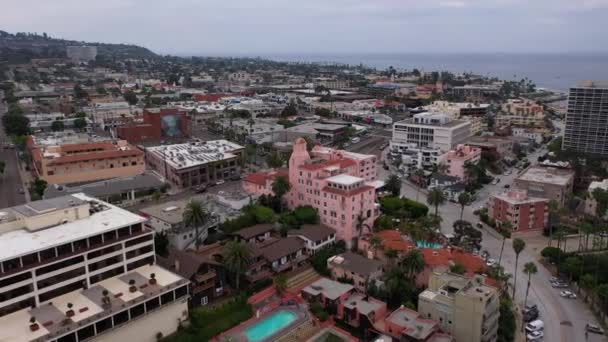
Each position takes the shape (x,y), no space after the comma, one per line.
(316,236)
(254,234)
(285,254)
(359,269)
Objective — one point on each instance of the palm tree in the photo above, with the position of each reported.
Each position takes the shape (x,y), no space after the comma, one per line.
(195,216)
(505,226)
(518,247)
(237,256)
(280,187)
(393,184)
(413,263)
(529,269)
(560,235)
(360,224)
(587,283)
(280,283)
(391,255)
(419,173)
(553,207)
(463,199)
(375,242)
(250,122)
(436,198)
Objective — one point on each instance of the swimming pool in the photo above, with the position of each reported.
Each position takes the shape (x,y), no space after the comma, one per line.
(269,326)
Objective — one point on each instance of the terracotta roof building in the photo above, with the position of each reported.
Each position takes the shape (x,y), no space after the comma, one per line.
(86,162)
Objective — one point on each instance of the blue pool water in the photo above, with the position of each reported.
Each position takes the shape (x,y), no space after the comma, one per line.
(426,244)
(269,325)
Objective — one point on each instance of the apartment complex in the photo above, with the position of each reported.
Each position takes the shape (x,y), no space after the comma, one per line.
(586,127)
(337,184)
(457,158)
(524,212)
(428,130)
(547,182)
(85,162)
(196,163)
(463,307)
(522,113)
(74,268)
(468,111)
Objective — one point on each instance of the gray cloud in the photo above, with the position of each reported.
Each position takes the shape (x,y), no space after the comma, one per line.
(319,26)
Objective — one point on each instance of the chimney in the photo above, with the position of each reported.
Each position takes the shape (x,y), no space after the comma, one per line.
(176,265)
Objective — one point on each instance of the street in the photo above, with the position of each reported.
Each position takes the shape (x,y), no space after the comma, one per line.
(564,319)
(10,181)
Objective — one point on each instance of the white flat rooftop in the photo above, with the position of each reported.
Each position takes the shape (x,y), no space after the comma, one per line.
(87,303)
(22,242)
(195,153)
(344,179)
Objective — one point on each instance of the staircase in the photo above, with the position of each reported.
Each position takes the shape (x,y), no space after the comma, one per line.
(302,279)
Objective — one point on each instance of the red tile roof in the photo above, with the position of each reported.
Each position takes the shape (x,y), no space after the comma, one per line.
(391,239)
(262,177)
(442,257)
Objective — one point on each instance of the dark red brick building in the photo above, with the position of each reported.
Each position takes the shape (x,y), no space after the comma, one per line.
(158,124)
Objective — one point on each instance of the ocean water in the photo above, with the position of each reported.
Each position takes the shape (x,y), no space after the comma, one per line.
(550,71)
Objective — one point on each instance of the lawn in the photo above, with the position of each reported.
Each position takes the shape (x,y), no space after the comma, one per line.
(206,323)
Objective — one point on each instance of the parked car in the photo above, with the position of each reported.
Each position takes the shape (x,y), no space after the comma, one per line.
(479,225)
(506,186)
(490,262)
(568,294)
(530,316)
(592,328)
(530,307)
(200,189)
(220,182)
(535,335)
(537,325)
(496,181)
(559,285)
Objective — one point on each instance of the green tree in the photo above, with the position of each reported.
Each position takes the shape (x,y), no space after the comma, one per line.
(195,216)
(601,198)
(80,123)
(413,263)
(274,160)
(237,257)
(505,227)
(306,214)
(393,184)
(587,283)
(457,268)
(436,197)
(464,199)
(571,266)
(80,93)
(15,123)
(391,255)
(280,283)
(2,166)
(130,97)
(289,110)
(518,247)
(57,126)
(553,208)
(529,269)
(161,243)
(38,186)
(280,187)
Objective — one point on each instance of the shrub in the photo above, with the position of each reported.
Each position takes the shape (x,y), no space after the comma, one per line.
(319,312)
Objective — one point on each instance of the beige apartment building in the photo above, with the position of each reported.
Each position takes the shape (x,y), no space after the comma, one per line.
(464,307)
(86,162)
(522,113)
(547,182)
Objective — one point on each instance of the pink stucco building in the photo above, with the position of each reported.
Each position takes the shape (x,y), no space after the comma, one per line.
(524,212)
(334,182)
(260,183)
(455,159)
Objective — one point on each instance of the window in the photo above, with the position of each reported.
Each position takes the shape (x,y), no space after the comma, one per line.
(121,317)
(103,325)
(166,298)
(137,311)
(86,332)
(204,300)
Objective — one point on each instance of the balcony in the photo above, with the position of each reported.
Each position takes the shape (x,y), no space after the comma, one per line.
(204,281)
(291,262)
(264,273)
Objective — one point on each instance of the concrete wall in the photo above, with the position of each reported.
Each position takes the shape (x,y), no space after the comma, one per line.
(145,328)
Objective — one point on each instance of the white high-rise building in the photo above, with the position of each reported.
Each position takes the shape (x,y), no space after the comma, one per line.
(586,127)
(74,268)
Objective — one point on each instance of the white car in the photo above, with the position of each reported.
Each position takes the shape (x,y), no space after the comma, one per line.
(535,335)
(220,182)
(490,262)
(533,326)
(568,294)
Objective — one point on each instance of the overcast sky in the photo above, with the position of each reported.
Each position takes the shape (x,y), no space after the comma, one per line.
(262,27)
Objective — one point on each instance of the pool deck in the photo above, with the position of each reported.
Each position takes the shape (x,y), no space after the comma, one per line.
(237,334)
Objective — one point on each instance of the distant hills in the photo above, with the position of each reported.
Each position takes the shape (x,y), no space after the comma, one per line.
(21,47)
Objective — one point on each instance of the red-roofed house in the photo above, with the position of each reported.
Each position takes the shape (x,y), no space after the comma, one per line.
(389,239)
(261,182)
(442,259)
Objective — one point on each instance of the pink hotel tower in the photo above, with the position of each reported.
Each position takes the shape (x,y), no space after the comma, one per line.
(336,183)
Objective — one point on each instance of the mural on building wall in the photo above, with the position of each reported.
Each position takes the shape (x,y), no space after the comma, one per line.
(171,126)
